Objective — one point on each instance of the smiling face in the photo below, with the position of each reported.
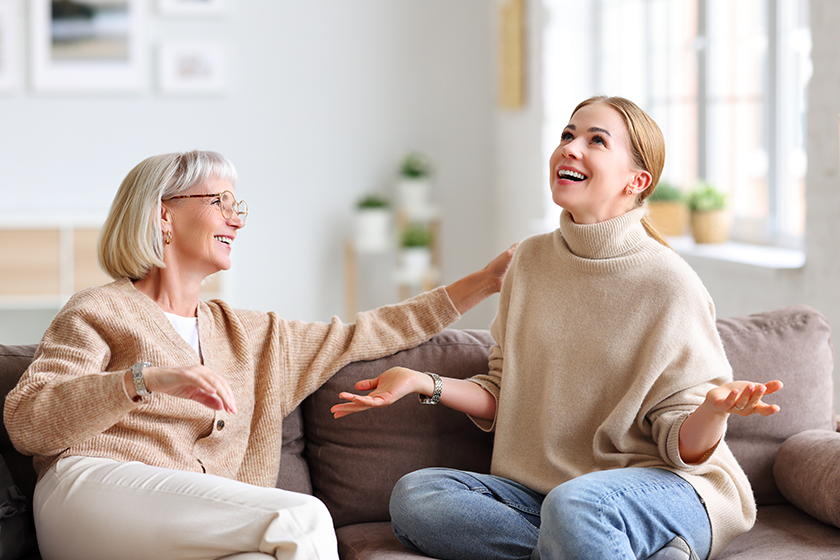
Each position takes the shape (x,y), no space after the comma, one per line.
(201,236)
(592,168)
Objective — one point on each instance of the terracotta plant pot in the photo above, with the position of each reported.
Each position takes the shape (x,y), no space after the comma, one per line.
(669,218)
(711,226)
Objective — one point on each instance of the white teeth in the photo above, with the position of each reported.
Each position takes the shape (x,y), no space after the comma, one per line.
(225,240)
(571,174)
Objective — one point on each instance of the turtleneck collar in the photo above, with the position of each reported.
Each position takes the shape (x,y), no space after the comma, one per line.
(603,240)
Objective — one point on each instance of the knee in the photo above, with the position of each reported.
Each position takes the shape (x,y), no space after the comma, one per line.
(568,501)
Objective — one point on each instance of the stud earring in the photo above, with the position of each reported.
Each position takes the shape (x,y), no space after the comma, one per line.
(629,191)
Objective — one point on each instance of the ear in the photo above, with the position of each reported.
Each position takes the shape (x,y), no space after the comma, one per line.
(165,215)
(641,180)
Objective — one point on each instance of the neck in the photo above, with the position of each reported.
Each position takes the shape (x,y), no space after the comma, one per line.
(172,293)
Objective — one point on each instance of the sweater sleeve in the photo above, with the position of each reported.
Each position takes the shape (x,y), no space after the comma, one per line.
(312,352)
(694,363)
(66,397)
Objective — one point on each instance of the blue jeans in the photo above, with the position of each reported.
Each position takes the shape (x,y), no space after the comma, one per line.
(625,514)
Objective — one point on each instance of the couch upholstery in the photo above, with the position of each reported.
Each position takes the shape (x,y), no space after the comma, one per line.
(791,458)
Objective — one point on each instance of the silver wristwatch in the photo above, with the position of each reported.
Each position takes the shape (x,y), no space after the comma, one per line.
(137,376)
(435,398)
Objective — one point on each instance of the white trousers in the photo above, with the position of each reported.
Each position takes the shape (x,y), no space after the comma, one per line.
(92,509)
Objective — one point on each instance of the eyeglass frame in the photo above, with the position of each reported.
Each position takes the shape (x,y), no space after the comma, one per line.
(236,204)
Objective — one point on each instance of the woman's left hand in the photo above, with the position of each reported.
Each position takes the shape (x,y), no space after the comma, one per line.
(744,398)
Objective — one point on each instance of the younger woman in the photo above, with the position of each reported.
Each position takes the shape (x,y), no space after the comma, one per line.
(608,391)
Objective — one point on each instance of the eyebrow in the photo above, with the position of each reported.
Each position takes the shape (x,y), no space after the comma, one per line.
(593,129)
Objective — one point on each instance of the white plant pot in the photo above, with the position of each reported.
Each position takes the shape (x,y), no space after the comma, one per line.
(416,263)
(413,195)
(372,230)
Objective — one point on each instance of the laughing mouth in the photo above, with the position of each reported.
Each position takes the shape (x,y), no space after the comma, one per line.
(225,240)
(571,175)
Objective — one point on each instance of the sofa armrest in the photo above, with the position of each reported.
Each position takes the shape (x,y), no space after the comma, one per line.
(807,472)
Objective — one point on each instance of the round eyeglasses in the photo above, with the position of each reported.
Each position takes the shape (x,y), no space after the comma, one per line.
(226,202)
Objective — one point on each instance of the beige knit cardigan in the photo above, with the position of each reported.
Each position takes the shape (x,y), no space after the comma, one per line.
(72,401)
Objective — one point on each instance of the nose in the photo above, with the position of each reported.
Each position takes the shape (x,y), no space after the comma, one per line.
(570,149)
(236,222)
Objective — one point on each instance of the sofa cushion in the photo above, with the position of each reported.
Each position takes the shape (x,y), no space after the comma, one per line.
(356,460)
(294,472)
(784,532)
(791,344)
(807,470)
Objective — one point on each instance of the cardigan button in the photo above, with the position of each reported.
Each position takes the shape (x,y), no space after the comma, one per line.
(220,425)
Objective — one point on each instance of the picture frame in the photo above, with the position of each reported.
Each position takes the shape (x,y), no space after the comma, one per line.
(11,51)
(192,7)
(192,68)
(93,46)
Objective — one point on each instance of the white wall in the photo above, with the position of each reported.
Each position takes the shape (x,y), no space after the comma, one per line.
(325,96)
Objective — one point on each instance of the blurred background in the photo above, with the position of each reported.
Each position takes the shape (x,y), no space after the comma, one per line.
(319,103)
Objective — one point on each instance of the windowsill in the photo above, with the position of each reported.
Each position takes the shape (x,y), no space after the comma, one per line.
(756,255)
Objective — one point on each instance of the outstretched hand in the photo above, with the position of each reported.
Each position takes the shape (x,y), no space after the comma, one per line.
(386,389)
(744,398)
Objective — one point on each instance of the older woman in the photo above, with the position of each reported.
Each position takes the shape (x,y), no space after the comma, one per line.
(609,390)
(155,418)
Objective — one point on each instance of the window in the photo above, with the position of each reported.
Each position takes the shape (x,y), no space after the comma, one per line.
(726,81)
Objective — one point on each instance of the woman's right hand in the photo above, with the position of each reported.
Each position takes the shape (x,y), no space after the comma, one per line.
(386,389)
(197,383)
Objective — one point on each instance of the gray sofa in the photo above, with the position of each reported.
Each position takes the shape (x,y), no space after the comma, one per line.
(791,458)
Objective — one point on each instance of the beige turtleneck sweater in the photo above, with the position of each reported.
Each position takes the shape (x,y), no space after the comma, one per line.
(606,343)
(72,401)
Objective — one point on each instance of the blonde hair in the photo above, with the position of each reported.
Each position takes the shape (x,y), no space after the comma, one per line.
(131,241)
(647,146)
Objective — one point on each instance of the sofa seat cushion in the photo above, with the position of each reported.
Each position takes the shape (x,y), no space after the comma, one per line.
(786,533)
(372,541)
(355,461)
(791,344)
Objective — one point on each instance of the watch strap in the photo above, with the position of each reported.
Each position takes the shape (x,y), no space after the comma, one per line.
(137,377)
(435,398)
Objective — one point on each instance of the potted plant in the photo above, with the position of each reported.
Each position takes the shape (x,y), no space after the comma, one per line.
(710,218)
(667,209)
(415,172)
(415,254)
(372,223)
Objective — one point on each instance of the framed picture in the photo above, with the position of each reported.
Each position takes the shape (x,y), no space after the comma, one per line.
(192,68)
(88,45)
(11,52)
(192,7)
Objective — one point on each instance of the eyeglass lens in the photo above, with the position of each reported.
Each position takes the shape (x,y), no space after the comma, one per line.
(231,207)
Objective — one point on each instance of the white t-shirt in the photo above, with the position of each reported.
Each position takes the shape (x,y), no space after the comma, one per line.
(187,327)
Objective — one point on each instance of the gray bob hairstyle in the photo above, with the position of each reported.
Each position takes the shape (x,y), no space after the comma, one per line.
(131,240)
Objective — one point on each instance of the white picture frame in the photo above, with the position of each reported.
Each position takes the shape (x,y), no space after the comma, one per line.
(192,68)
(192,7)
(100,48)
(11,50)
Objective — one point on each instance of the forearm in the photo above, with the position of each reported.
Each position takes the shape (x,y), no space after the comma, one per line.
(701,432)
(471,290)
(461,395)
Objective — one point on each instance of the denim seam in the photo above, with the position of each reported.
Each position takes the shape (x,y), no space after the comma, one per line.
(512,505)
